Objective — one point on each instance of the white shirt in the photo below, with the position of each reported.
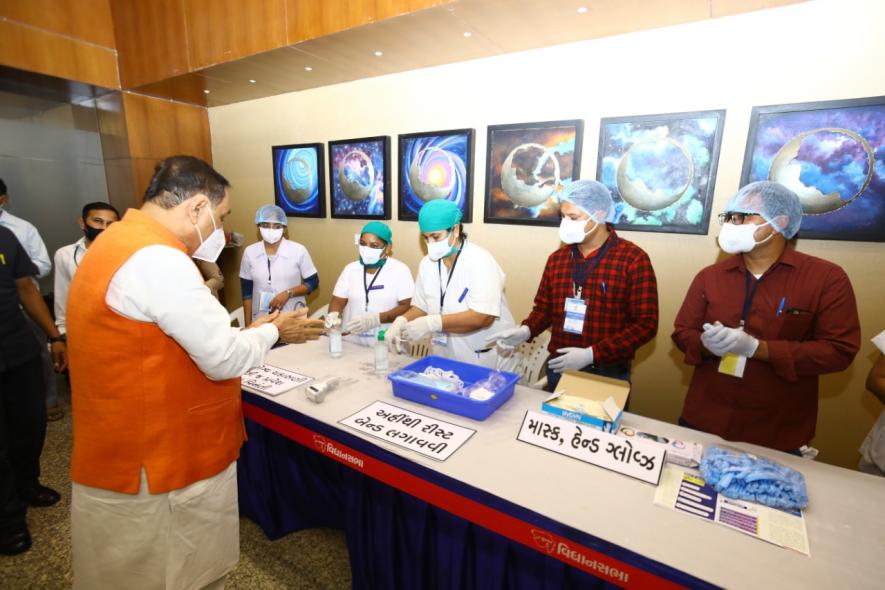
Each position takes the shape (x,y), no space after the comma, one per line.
(67,259)
(389,285)
(477,283)
(288,268)
(162,285)
(873,448)
(30,240)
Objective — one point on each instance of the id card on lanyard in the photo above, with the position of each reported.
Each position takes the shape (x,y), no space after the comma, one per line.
(266,294)
(368,287)
(442,338)
(731,363)
(576,306)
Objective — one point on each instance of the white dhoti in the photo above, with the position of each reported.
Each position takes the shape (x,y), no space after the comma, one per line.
(185,539)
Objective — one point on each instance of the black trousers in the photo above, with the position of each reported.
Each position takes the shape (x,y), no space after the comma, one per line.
(22,432)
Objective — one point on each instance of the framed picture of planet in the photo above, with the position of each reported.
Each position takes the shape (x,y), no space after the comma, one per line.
(435,165)
(299,179)
(832,154)
(527,164)
(359,181)
(661,169)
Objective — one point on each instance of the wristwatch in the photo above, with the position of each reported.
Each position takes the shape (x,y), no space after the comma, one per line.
(60,338)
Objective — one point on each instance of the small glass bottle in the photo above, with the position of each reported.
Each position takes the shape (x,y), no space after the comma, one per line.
(382,363)
(335,343)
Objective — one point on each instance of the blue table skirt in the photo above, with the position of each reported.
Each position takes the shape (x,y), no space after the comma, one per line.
(397,540)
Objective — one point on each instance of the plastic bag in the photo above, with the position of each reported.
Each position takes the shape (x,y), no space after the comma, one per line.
(742,476)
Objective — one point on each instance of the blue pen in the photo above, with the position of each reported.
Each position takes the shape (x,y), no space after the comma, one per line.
(603,287)
(780,307)
(463,295)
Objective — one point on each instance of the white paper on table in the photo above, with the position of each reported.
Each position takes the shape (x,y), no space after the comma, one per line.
(273,381)
(686,491)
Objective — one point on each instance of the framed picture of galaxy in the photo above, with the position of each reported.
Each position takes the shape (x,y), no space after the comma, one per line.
(831,154)
(299,179)
(661,169)
(527,164)
(359,178)
(435,165)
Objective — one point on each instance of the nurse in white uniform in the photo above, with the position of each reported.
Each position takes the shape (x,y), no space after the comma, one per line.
(373,290)
(459,293)
(275,273)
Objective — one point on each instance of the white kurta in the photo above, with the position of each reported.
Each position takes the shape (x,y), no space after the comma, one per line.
(872,450)
(67,259)
(186,538)
(388,286)
(477,283)
(288,268)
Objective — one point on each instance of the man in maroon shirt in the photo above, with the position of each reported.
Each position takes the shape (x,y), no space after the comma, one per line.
(761,326)
(598,293)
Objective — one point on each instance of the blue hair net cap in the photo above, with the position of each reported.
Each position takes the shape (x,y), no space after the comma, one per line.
(271,214)
(590,196)
(773,202)
(438,214)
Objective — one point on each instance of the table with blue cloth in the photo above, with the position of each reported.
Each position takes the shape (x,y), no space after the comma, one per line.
(503,514)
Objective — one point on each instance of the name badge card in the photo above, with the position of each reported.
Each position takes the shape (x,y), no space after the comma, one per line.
(410,430)
(634,458)
(575,311)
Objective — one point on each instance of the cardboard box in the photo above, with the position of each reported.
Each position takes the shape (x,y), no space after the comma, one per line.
(610,393)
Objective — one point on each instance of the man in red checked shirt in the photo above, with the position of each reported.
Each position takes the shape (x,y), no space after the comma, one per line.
(761,326)
(598,293)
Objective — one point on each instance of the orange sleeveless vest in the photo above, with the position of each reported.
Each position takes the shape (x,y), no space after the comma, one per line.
(138,398)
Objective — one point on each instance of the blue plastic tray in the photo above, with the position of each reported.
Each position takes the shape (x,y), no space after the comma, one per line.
(450,402)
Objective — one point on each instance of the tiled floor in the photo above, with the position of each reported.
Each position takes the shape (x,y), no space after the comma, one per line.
(312,559)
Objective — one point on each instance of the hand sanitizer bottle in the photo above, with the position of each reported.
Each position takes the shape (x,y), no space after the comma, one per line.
(335,343)
(382,363)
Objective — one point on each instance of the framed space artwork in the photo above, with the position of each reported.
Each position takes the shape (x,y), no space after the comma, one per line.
(832,154)
(661,169)
(435,165)
(527,164)
(299,179)
(359,178)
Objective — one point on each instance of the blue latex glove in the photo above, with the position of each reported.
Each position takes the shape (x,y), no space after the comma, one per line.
(572,358)
(761,480)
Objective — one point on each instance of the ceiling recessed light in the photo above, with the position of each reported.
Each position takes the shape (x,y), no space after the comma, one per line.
(468,34)
(379,53)
(251,81)
(583,10)
(308,69)
(205,92)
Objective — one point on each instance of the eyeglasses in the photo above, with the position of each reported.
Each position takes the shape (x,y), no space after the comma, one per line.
(735,218)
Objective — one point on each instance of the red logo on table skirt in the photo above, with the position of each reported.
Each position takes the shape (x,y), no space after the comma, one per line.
(544,540)
(320,442)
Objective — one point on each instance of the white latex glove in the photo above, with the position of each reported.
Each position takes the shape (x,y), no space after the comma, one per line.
(394,334)
(424,326)
(721,339)
(332,320)
(572,358)
(512,337)
(364,323)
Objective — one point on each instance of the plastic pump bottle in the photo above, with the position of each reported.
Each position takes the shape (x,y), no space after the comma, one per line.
(335,343)
(382,363)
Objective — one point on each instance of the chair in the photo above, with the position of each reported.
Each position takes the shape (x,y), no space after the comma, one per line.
(238,316)
(532,368)
(318,314)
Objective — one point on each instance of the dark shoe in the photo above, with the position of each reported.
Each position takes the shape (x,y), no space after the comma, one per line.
(15,543)
(37,495)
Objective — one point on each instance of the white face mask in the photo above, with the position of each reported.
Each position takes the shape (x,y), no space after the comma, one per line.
(441,249)
(211,247)
(735,239)
(370,256)
(271,236)
(571,231)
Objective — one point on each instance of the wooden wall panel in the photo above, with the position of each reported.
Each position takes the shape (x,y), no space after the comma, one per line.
(89,20)
(223,30)
(309,19)
(35,50)
(151,40)
(160,128)
(390,8)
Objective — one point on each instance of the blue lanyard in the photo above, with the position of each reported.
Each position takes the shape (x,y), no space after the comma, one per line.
(368,287)
(581,272)
(442,293)
(749,294)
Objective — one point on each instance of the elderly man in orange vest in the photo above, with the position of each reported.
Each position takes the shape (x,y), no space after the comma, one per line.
(155,369)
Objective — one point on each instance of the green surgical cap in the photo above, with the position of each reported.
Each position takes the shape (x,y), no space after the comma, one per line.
(438,214)
(382,230)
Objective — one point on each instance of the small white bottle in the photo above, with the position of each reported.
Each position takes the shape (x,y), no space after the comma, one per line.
(382,363)
(335,343)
